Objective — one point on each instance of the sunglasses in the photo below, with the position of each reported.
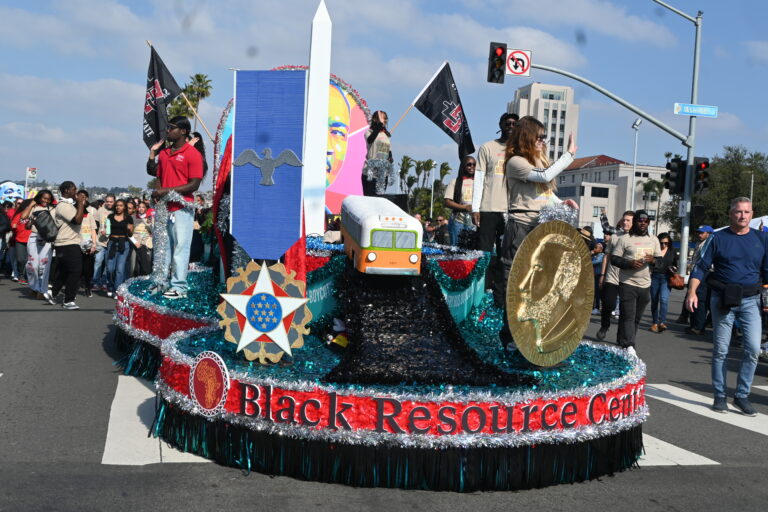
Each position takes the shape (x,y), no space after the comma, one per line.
(542,138)
(172,127)
(470,164)
(663,243)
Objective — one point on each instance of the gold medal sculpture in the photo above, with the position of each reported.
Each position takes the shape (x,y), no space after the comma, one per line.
(549,293)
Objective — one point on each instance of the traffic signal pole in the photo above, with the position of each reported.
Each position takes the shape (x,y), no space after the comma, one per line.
(688,140)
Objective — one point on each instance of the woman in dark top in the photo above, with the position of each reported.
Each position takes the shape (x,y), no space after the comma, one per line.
(665,265)
(119,228)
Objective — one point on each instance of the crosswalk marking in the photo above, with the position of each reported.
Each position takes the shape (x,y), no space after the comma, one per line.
(661,453)
(700,404)
(761,388)
(131,416)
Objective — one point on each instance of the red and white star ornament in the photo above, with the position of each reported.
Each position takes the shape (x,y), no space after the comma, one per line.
(265,313)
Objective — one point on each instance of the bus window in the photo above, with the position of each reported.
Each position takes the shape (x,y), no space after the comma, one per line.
(381,239)
(405,240)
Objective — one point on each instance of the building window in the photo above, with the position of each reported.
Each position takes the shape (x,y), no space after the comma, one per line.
(645,175)
(583,176)
(595,211)
(637,174)
(599,192)
(652,214)
(552,141)
(567,192)
(562,179)
(598,176)
(573,178)
(562,115)
(654,197)
(560,142)
(552,128)
(552,95)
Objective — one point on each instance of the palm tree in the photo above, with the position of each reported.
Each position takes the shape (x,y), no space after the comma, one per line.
(445,170)
(406,164)
(429,164)
(410,181)
(418,169)
(200,87)
(668,155)
(653,187)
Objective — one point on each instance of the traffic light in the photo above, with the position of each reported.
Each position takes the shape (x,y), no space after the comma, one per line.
(700,173)
(496,61)
(674,180)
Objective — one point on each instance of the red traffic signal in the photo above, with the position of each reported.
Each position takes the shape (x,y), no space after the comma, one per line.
(700,173)
(496,63)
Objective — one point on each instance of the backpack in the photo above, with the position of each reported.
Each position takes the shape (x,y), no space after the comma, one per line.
(45,225)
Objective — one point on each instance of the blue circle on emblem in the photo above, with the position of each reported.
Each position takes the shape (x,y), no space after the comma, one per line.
(264,312)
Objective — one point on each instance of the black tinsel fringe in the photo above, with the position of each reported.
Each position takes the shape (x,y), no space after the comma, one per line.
(141,359)
(448,469)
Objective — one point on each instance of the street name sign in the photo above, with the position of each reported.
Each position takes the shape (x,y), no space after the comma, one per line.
(688,109)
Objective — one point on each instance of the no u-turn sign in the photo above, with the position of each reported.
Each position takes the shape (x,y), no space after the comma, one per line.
(518,62)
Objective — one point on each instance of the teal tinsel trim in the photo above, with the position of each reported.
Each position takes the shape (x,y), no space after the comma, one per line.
(458,285)
(333,268)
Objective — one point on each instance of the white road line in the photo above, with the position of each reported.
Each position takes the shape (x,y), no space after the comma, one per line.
(761,388)
(661,453)
(700,404)
(131,416)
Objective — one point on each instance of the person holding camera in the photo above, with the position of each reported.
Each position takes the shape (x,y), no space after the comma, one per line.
(68,216)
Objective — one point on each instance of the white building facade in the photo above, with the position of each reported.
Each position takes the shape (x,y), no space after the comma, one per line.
(601,182)
(555,107)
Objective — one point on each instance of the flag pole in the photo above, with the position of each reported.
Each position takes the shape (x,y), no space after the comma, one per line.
(197,116)
(401,118)
(189,104)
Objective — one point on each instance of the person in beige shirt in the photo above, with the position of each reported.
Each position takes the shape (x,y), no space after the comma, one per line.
(634,254)
(68,216)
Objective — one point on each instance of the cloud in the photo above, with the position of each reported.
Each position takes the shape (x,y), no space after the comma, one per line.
(757,51)
(33,131)
(599,16)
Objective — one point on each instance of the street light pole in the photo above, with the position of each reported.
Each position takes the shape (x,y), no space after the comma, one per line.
(636,127)
(691,143)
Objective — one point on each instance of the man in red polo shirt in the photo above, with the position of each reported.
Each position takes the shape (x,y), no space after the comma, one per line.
(179,168)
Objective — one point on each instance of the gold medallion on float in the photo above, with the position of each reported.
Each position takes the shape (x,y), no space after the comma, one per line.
(550,290)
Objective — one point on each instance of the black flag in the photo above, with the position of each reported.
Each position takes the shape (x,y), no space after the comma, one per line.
(162,89)
(440,102)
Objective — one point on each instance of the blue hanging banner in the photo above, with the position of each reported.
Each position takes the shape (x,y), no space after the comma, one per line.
(267,161)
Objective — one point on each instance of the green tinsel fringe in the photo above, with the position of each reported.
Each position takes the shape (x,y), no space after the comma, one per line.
(334,267)
(458,285)
(450,469)
(141,359)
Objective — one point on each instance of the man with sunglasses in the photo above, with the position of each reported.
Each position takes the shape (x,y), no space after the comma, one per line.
(179,169)
(634,254)
(489,200)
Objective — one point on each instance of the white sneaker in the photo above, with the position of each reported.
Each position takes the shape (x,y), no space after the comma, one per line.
(48,296)
(595,311)
(109,294)
(631,351)
(70,305)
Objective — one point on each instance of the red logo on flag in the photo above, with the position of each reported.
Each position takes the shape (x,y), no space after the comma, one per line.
(452,115)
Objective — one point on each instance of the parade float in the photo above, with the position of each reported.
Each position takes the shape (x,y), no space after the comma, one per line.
(375,362)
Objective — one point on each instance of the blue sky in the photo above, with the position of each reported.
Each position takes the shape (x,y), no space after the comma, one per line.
(73,71)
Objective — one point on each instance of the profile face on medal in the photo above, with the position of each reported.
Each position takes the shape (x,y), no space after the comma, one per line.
(549,293)
(547,287)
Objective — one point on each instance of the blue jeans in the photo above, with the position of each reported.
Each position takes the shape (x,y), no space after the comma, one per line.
(659,298)
(116,263)
(454,228)
(180,240)
(99,265)
(748,316)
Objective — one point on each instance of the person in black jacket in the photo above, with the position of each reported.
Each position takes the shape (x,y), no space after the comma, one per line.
(660,273)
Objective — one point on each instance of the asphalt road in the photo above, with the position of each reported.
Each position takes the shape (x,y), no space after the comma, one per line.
(58,382)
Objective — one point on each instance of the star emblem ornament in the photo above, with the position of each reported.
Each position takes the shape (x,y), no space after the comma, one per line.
(264,312)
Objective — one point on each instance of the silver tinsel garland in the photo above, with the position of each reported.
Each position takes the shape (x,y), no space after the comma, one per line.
(160,240)
(372,438)
(380,170)
(559,212)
